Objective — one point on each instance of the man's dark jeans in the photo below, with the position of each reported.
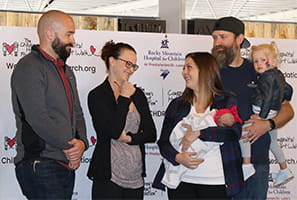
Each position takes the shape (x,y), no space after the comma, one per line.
(43,178)
(256,186)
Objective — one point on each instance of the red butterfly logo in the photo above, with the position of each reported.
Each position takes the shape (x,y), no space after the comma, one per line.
(10,48)
(9,142)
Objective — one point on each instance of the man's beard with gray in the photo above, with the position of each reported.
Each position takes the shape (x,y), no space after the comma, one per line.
(226,56)
(60,48)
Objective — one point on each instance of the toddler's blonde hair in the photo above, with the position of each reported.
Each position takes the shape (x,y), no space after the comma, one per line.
(270,50)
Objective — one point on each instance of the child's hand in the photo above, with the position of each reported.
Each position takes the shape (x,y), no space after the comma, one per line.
(226,119)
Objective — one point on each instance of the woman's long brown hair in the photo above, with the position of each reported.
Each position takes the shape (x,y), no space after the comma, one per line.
(209,79)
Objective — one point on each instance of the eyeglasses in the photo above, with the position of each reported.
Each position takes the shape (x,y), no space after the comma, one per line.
(129,64)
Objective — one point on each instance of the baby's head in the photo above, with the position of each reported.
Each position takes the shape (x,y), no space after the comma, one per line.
(264,57)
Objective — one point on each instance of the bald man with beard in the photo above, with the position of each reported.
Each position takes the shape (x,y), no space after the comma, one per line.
(51,132)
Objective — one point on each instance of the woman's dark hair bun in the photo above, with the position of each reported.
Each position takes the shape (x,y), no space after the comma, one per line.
(107,50)
(112,49)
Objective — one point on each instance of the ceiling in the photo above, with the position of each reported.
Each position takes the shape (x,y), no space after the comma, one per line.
(250,10)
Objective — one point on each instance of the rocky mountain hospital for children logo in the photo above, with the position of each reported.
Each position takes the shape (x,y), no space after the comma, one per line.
(164,43)
(164,73)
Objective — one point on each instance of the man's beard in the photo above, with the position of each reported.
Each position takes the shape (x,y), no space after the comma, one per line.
(60,48)
(226,56)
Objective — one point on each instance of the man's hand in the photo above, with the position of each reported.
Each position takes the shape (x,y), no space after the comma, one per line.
(74,164)
(76,151)
(257,128)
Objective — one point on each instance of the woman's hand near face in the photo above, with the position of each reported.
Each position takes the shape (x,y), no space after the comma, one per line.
(126,88)
(189,137)
(188,160)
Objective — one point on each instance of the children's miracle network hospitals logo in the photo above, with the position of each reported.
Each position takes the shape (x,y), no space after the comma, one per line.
(17,48)
(9,143)
(22,48)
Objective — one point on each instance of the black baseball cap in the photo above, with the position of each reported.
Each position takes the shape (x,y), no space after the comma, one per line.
(233,25)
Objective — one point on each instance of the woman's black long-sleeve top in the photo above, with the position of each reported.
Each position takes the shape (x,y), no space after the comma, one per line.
(109,118)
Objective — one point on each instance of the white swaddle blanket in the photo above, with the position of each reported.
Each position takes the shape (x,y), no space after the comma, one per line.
(197,121)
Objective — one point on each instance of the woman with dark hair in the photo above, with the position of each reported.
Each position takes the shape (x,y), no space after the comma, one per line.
(123,124)
(214,170)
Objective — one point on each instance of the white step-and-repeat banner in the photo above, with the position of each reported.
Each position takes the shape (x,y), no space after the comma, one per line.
(160,57)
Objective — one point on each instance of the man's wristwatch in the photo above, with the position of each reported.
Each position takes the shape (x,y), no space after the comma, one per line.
(272,124)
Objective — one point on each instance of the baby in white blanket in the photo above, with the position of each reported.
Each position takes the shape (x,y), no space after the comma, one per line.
(197,121)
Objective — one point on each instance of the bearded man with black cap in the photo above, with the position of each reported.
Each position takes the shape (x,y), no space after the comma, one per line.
(238,75)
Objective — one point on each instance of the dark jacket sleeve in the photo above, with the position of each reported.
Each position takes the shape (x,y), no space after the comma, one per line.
(288,89)
(29,82)
(108,117)
(166,149)
(272,90)
(288,92)
(147,131)
(266,87)
(80,124)
(222,134)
